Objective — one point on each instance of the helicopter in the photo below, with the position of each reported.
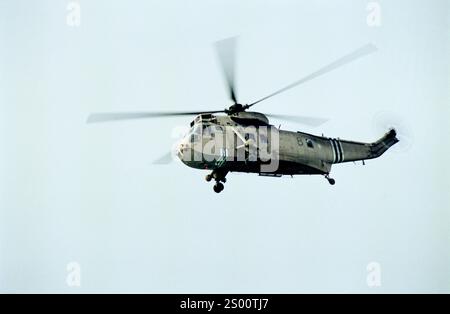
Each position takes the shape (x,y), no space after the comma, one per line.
(239,140)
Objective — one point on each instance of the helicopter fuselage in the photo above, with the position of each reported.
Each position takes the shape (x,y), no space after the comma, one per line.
(247,142)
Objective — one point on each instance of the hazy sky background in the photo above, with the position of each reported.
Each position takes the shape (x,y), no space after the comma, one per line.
(72,192)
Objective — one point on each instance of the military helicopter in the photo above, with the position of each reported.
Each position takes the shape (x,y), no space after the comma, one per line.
(243,133)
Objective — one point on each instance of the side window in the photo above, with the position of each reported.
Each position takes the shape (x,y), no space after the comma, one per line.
(207,130)
(218,129)
(309,143)
(263,139)
(250,136)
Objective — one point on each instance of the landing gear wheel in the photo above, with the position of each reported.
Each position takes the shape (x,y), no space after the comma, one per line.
(330,180)
(208,177)
(218,187)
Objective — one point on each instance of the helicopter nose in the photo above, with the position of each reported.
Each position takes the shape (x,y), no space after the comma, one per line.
(182,150)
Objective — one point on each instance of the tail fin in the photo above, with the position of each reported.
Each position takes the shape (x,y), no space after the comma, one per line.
(384,143)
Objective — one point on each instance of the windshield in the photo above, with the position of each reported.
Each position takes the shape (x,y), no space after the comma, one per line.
(200,130)
(195,133)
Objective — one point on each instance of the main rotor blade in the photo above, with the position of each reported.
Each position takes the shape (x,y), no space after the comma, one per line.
(165,159)
(310,121)
(226,52)
(358,53)
(115,116)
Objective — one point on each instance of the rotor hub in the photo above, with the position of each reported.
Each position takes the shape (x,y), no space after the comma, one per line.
(236,108)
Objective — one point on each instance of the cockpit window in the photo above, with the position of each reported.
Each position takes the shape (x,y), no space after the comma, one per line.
(208,130)
(197,130)
(200,130)
(195,133)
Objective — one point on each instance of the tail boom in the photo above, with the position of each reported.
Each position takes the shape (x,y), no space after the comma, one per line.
(345,151)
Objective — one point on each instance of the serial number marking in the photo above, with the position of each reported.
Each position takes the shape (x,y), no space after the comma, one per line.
(258,304)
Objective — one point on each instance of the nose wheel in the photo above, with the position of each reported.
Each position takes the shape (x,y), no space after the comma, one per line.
(218,187)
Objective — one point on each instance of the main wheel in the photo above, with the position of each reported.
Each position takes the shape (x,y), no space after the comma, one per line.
(331,181)
(218,187)
(208,177)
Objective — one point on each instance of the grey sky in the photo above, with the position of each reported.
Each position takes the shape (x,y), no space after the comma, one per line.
(71,192)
